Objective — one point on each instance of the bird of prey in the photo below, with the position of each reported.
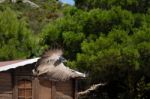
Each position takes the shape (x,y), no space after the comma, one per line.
(51,65)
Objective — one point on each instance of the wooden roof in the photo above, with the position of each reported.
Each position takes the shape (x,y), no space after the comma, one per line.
(6,65)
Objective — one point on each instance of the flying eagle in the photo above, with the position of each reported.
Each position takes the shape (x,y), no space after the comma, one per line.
(51,65)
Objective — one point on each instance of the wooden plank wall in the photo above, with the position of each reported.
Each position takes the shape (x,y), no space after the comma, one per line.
(5,85)
(65,90)
(24,71)
(44,89)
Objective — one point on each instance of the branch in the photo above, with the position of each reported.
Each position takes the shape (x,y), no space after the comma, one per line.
(92,88)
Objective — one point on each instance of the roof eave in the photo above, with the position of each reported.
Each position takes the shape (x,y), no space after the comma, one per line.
(19,64)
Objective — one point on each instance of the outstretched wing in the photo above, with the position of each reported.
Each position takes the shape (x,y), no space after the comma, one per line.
(49,56)
(51,65)
(46,61)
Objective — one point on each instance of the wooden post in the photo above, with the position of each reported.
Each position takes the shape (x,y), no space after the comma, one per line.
(75,89)
(14,84)
(35,88)
(53,90)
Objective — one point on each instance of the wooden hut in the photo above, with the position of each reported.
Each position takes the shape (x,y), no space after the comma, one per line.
(17,81)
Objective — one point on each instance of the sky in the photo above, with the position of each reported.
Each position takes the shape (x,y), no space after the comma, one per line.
(71,2)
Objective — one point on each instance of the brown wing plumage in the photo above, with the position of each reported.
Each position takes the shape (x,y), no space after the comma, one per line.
(48,58)
(46,66)
(51,54)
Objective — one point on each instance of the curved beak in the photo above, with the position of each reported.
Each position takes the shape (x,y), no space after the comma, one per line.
(62,59)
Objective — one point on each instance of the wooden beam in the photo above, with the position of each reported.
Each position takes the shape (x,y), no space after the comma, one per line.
(75,89)
(53,90)
(14,81)
(35,87)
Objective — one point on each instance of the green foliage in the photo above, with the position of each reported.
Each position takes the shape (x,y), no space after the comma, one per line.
(37,18)
(16,40)
(111,45)
(132,5)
